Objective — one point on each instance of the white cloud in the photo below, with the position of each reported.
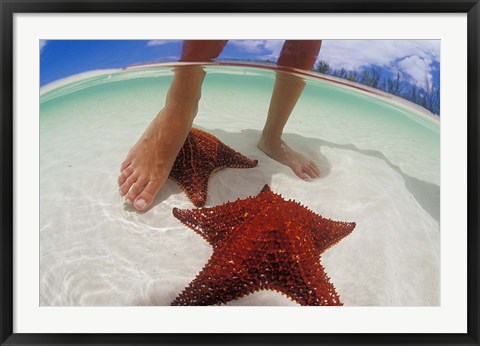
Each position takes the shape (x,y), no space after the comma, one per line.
(418,69)
(43,43)
(249,46)
(170,58)
(275,47)
(353,54)
(413,57)
(267,49)
(152,43)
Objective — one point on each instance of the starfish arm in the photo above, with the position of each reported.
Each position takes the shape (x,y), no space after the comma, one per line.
(218,283)
(303,278)
(189,173)
(227,157)
(195,188)
(330,232)
(220,153)
(326,232)
(213,224)
(314,289)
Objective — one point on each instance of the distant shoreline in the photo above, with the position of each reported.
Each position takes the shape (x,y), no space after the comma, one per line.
(74,78)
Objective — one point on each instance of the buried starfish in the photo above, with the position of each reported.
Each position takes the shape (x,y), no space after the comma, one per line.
(262,242)
(202,155)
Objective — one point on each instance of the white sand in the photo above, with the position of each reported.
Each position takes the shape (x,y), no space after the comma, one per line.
(95,250)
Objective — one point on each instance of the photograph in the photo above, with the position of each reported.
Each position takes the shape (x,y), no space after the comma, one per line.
(240,172)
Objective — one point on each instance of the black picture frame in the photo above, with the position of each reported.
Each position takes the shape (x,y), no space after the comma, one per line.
(9,7)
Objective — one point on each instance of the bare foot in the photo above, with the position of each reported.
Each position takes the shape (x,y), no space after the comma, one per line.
(300,164)
(149,162)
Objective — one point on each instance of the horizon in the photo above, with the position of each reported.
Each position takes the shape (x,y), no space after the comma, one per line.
(414,63)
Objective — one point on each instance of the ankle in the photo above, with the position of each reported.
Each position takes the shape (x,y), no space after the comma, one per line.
(267,137)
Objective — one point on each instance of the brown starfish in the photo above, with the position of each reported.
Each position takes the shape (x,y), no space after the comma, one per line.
(202,155)
(262,242)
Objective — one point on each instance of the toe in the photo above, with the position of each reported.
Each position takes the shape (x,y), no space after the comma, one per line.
(315,169)
(135,189)
(125,164)
(124,175)
(308,171)
(299,172)
(128,184)
(146,197)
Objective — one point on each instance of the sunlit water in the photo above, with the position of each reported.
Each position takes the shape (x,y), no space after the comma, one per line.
(380,164)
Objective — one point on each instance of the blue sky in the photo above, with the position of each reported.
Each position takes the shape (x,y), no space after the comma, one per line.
(417,60)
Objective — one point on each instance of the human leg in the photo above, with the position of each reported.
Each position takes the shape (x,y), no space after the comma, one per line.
(148,163)
(286,92)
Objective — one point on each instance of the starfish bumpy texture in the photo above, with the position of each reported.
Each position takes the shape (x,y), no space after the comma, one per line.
(202,155)
(262,242)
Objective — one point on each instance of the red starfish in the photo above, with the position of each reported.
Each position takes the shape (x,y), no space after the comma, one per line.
(262,242)
(202,155)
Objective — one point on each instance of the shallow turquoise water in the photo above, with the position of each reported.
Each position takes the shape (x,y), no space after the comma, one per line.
(380,164)
(326,110)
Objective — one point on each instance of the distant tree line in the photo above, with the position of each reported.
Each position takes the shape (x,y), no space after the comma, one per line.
(427,97)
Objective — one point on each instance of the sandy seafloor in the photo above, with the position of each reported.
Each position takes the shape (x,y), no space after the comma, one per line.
(380,166)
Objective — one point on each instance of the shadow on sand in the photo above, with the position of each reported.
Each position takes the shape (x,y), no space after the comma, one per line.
(426,194)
